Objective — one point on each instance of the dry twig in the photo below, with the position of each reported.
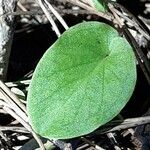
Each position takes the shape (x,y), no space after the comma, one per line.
(16,109)
(123,124)
(57,15)
(49,17)
(106,16)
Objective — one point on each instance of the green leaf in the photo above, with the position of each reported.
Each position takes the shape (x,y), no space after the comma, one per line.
(83,81)
(101,5)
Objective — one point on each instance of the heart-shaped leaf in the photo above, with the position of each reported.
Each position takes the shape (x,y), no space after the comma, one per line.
(82,82)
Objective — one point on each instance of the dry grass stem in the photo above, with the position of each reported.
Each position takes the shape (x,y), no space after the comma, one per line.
(57,15)
(138,28)
(49,17)
(11,96)
(126,124)
(14,129)
(12,105)
(18,83)
(106,16)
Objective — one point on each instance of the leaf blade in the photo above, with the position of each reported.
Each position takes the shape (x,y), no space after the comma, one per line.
(77,99)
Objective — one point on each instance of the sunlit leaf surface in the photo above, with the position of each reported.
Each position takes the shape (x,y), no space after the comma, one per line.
(83,81)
